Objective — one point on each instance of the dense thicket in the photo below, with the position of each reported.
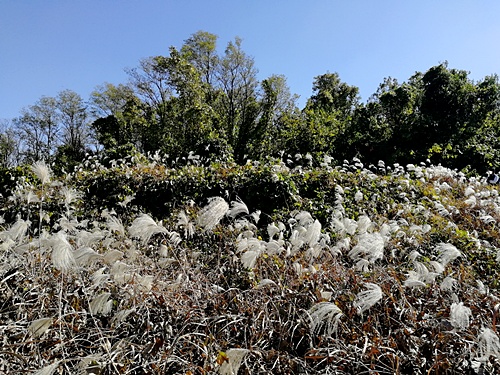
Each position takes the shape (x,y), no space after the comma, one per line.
(145,265)
(196,99)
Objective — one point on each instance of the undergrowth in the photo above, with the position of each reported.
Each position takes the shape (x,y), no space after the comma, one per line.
(143,267)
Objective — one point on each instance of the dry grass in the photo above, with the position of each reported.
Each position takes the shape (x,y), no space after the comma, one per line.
(400,283)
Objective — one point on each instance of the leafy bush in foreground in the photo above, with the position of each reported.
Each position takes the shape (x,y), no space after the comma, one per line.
(143,268)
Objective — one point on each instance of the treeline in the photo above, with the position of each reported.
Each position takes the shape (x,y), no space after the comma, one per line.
(199,101)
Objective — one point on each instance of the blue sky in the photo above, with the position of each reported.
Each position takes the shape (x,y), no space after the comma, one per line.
(47,46)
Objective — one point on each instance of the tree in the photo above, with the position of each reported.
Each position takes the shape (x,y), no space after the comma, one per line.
(9,145)
(122,118)
(108,99)
(201,51)
(73,116)
(192,117)
(330,94)
(151,85)
(327,115)
(454,108)
(276,106)
(237,78)
(39,130)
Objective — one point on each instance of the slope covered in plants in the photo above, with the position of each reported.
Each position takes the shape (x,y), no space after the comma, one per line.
(145,266)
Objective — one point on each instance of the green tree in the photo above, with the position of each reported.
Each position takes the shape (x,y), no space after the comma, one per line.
(39,130)
(454,109)
(73,116)
(201,51)
(327,116)
(276,106)
(237,78)
(9,145)
(123,119)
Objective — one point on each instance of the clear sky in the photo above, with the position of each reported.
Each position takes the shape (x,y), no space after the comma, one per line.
(47,46)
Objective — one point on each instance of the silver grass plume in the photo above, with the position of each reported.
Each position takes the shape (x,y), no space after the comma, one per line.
(101,305)
(62,252)
(232,364)
(251,248)
(121,315)
(48,370)
(313,233)
(237,208)
(174,238)
(272,230)
(414,280)
(42,171)
(210,215)
(304,218)
(18,230)
(114,224)
(68,225)
(489,344)
(99,277)
(86,255)
(256,216)
(325,314)
(86,238)
(144,227)
(38,327)
(368,298)
(424,274)
(448,283)
(111,256)
(447,253)
(119,272)
(31,197)
(70,195)
(184,222)
(460,315)
(364,224)
(370,246)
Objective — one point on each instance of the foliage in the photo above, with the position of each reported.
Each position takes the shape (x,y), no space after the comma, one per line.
(346,269)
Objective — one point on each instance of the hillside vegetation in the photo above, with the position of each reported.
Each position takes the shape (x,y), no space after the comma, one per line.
(206,100)
(148,265)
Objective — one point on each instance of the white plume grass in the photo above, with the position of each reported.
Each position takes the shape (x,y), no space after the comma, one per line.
(85,256)
(325,315)
(111,256)
(210,215)
(413,280)
(367,298)
(370,246)
(101,305)
(234,358)
(41,171)
(115,225)
(460,316)
(70,195)
(185,223)
(237,208)
(448,283)
(489,344)
(48,370)
(17,231)
(38,327)
(144,227)
(447,253)
(62,252)
(249,258)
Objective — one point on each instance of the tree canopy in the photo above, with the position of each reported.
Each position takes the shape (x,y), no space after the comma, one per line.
(200,100)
